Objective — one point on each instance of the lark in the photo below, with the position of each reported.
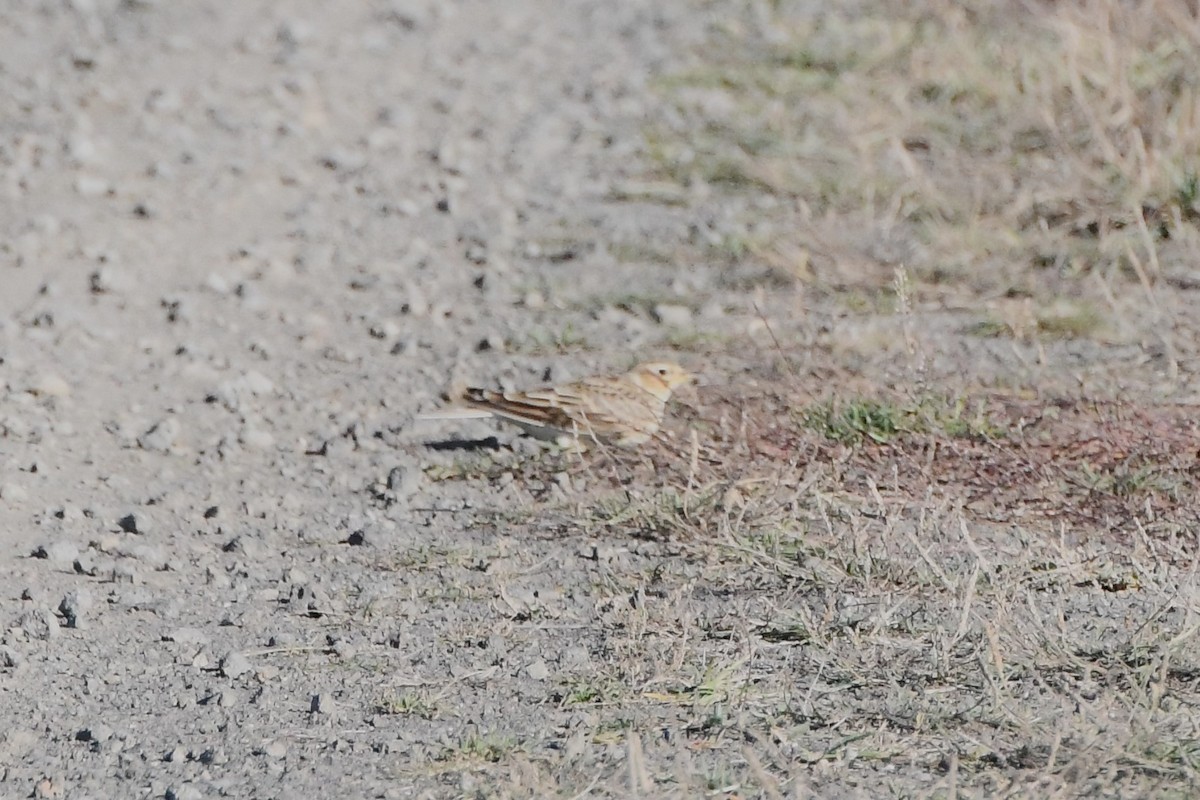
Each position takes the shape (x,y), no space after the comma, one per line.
(623,410)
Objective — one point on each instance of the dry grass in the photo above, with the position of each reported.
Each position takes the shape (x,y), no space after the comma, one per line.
(943,611)
(995,147)
(921,590)
(944,604)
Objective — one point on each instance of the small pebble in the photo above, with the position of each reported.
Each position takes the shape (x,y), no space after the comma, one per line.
(216,283)
(49,789)
(60,554)
(235,664)
(40,623)
(323,703)
(10,658)
(491,342)
(130,524)
(187,636)
(258,383)
(575,658)
(577,744)
(105,280)
(161,436)
(69,513)
(243,545)
(13,493)
(214,756)
(294,575)
(50,385)
(96,733)
(185,791)
(125,573)
(237,392)
(674,316)
(86,564)
(75,606)
(108,542)
(275,749)
(91,186)
(257,439)
(403,481)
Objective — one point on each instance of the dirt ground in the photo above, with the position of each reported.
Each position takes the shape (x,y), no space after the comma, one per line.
(925,528)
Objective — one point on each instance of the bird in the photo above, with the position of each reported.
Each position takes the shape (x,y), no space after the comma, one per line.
(623,410)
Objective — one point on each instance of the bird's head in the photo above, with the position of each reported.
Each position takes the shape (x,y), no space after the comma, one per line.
(660,378)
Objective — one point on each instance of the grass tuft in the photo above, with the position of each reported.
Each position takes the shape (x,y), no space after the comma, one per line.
(860,420)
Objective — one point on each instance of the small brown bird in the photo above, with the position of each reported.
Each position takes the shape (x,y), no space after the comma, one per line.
(625,410)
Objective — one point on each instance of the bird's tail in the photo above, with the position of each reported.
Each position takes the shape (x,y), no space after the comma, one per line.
(454,412)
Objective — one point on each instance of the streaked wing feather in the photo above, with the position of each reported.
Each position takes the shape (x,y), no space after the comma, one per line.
(526,407)
(588,406)
(619,407)
(602,407)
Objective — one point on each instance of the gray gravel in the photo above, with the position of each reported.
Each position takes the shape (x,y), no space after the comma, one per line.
(241,245)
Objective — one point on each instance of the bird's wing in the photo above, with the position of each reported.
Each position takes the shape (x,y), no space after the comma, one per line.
(550,407)
(619,406)
(592,405)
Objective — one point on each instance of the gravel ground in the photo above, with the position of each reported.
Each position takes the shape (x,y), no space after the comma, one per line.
(242,245)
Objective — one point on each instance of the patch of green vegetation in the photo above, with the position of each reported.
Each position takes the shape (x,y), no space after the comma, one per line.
(546,341)
(864,419)
(592,691)
(1074,323)
(490,748)
(407,704)
(633,252)
(785,543)
(634,303)
(868,300)
(1188,194)
(733,247)
(688,341)
(715,687)
(661,192)
(720,683)
(1128,480)
(732,173)
(557,249)
(582,693)
(957,418)
(1182,754)
(790,633)
(852,422)
(988,329)
(468,468)
(613,731)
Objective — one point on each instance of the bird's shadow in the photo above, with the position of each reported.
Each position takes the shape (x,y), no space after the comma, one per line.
(469,445)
